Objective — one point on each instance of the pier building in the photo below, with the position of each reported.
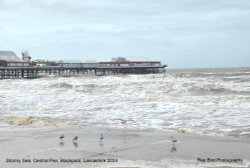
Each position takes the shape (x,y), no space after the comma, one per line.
(10,59)
(76,64)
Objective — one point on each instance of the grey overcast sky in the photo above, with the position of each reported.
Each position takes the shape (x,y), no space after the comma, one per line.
(180,33)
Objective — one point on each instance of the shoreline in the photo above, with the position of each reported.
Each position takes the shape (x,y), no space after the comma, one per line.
(47,122)
(140,148)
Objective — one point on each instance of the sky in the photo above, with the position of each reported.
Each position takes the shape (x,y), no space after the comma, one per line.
(180,33)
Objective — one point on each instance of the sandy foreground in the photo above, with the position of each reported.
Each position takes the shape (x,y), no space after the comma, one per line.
(40,147)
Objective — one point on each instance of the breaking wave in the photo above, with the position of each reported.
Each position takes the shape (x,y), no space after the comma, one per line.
(61,85)
(194,101)
(211,90)
(30,120)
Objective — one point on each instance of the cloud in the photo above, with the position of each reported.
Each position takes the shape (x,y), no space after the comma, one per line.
(174,31)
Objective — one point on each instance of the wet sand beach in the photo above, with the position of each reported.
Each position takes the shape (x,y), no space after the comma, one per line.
(43,147)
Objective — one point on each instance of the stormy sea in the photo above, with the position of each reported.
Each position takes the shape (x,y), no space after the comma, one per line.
(214,102)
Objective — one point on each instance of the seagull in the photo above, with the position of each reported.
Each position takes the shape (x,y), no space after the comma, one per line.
(75,139)
(61,137)
(101,137)
(122,121)
(173,139)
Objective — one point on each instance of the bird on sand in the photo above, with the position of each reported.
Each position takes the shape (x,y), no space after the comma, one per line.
(75,139)
(101,137)
(173,139)
(61,137)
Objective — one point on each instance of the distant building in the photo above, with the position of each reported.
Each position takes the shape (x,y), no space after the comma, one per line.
(131,63)
(119,59)
(123,62)
(10,59)
(43,63)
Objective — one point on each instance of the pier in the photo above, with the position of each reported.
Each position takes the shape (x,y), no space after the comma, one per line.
(35,72)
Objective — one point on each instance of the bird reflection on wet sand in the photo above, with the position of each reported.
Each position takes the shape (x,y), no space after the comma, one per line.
(61,143)
(101,143)
(173,148)
(75,144)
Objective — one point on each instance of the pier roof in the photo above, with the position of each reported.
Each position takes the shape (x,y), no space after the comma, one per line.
(9,56)
(76,61)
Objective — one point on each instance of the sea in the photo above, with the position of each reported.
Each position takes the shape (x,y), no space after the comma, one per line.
(213,102)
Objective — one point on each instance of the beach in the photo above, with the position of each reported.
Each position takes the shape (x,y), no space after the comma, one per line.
(119,148)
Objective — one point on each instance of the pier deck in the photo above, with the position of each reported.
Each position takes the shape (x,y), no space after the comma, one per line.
(34,72)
